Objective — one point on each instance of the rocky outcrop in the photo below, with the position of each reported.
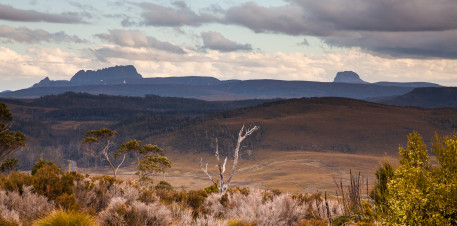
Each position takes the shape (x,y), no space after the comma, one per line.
(348,77)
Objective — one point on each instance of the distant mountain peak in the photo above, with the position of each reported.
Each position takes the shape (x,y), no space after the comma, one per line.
(106,74)
(348,77)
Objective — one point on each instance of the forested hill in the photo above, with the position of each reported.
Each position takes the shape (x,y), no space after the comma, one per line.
(318,124)
(83,106)
(55,124)
(429,97)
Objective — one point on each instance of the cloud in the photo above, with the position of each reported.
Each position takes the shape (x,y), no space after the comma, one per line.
(18,71)
(383,15)
(23,34)
(416,28)
(134,38)
(12,14)
(179,15)
(427,44)
(215,40)
(288,19)
(322,18)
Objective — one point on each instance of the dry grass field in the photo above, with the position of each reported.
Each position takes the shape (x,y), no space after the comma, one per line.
(288,171)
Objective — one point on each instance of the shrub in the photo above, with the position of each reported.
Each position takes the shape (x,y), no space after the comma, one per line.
(15,181)
(65,217)
(9,165)
(212,189)
(120,212)
(42,163)
(312,222)
(23,207)
(67,202)
(279,209)
(164,185)
(5,222)
(420,193)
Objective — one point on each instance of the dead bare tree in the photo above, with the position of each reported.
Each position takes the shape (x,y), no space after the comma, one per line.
(223,185)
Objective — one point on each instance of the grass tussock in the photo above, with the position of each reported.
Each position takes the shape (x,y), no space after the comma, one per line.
(64,217)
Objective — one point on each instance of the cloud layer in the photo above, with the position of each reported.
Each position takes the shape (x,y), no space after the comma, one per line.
(215,41)
(134,38)
(389,28)
(25,35)
(179,15)
(13,14)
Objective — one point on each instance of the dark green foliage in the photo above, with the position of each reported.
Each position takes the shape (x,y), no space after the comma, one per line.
(101,142)
(150,158)
(9,165)
(164,186)
(9,141)
(379,192)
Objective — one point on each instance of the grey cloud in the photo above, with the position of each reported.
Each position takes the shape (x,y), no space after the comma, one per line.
(12,14)
(287,19)
(414,29)
(215,40)
(383,15)
(23,34)
(134,38)
(428,44)
(179,15)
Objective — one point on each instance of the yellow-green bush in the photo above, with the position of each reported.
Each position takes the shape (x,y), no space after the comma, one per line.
(420,193)
(64,217)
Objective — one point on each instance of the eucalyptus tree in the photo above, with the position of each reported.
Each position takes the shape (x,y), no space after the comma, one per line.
(10,141)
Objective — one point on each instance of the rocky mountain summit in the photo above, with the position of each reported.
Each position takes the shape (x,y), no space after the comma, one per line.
(348,77)
(115,73)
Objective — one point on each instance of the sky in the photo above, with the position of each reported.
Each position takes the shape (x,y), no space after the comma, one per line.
(381,40)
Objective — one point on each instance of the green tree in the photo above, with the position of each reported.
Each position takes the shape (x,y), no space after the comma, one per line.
(100,144)
(9,165)
(150,159)
(379,193)
(422,194)
(10,141)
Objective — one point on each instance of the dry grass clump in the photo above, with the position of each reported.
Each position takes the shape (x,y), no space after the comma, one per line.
(63,217)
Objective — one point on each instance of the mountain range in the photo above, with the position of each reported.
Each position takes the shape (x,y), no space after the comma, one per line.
(126,81)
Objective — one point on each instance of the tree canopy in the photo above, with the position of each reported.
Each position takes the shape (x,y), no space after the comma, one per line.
(10,141)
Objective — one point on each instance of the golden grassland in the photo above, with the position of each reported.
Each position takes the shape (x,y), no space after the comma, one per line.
(288,171)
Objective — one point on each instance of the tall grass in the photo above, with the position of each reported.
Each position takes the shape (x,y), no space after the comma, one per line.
(63,217)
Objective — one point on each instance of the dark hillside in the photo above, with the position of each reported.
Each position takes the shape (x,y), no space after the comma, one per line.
(318,124)
(430,97)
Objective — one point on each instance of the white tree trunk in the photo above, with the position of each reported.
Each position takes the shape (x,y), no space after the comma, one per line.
(224,185)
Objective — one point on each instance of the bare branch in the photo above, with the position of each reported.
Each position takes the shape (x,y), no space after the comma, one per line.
(206,172)
(224,185)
